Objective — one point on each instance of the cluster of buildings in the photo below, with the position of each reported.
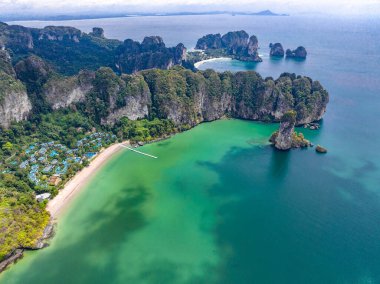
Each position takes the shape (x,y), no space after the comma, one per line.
(46,163)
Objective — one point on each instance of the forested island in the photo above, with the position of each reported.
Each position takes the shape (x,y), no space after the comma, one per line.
(65,94)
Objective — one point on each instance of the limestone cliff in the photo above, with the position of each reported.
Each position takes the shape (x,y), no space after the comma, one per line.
(56,33)
(189,98)
(61,92)
(134,101)
(276,50)
(235,44)
(286,138)
(133,56)
(181,95)
(283,139)
(14,101)
(6,63)
(210,41)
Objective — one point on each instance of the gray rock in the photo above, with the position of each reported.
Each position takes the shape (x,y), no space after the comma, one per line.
(299,53)
(276,50)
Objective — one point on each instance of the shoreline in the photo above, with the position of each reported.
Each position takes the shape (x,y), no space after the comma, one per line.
(62,200)
(199,63)
(57,205)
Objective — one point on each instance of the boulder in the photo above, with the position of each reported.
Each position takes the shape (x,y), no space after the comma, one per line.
(320,149)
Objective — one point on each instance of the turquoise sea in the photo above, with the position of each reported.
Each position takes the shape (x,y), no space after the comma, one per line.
(219,205)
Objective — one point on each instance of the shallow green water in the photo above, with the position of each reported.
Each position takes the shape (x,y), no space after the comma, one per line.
(219,205)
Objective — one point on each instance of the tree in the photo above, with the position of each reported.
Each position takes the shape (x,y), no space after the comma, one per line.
(8,146)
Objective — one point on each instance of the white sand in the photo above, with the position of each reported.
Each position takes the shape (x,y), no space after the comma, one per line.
(199,63)
(73,186)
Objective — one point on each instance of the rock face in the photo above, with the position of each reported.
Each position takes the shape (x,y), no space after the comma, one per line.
(299,53)
(243,95)
(134,103)
(6,64)
(55,33)
(276,50)
(210,41)
(12,258)
(63,92)
(151,53)
(286,138)
(14,101)
(97,32)
(17,38)
(185,97)
(236,44)
(283,139)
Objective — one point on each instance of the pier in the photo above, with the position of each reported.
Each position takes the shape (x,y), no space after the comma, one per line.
(139,152)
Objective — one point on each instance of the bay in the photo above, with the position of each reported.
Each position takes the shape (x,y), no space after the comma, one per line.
(219,205)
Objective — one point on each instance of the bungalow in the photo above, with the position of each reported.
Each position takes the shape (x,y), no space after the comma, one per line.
(55,180)
(41,159)
(43,196)
(47,169)
(24,164)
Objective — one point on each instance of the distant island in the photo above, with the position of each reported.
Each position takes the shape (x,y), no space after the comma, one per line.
(65,95)
(137,14)
(237,45)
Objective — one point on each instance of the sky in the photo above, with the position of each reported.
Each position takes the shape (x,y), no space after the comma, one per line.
(61,7)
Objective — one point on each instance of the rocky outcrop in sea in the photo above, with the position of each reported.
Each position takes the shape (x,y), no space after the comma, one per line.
(235,44)
(276,50)
(299,53)
(286,138)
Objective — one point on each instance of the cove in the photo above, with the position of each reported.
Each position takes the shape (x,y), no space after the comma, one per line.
(219,205)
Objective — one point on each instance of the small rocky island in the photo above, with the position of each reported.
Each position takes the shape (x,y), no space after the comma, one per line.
(299,53)
(237,45)
(276,50)
(286,138)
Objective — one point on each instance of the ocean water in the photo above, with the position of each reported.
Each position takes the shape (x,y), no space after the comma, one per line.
(219,205)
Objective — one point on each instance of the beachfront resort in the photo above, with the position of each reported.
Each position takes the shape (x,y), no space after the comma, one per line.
(48,165)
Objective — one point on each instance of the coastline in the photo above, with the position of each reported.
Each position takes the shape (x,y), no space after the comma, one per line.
(60,202)
(199,63)
(56,206)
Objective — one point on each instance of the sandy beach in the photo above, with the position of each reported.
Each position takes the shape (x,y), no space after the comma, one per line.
(74,185)
(198,64)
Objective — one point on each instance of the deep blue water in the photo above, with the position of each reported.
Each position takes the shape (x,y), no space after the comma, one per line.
(332,232)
